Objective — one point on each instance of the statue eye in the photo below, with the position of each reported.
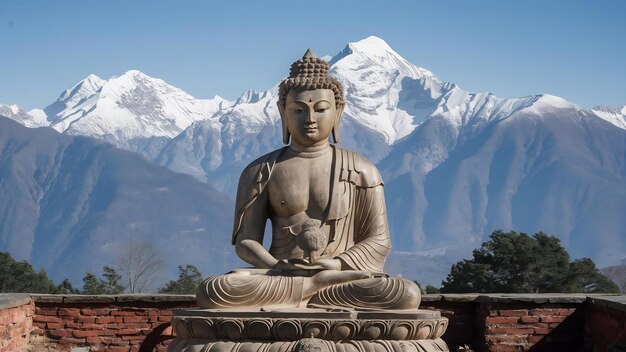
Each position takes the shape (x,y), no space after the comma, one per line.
(298,110)
(321,109)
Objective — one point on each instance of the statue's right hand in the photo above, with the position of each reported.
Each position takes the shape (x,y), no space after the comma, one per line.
(284,264)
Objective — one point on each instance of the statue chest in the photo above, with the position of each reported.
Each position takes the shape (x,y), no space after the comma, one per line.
(300,184)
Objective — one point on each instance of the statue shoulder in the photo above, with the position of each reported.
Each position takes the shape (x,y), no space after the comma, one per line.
(260,168)
(360,171)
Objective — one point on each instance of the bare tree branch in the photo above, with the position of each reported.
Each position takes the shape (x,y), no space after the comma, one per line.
(139,264)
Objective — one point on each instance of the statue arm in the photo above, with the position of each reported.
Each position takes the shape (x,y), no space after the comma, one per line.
(371,232)
(250,218)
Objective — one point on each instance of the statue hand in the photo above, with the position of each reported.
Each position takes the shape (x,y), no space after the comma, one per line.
(284,264)
(329,263)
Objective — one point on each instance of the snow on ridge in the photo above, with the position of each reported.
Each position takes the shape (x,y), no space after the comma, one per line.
(132,105)
(615,116)
(15,113)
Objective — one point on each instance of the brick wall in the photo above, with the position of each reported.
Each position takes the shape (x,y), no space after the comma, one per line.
(520,324)
(16,312)
(461,313)
(606,323)
(494,322)
(125,323)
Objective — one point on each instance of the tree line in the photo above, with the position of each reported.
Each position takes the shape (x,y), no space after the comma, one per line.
(509,262)
(21,277)
(137,268)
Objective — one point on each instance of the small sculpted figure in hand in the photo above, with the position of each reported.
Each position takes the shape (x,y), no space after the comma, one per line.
(311,239)
(326,204)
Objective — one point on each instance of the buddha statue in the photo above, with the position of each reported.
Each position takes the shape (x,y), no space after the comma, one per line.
(326,204)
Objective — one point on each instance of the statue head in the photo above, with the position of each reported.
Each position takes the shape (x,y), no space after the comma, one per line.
(310,93)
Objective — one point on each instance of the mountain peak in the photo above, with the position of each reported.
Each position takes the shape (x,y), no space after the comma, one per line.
(373,51)
(134,73)
(372,45)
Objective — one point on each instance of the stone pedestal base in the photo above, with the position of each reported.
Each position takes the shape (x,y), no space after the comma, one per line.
(307,330)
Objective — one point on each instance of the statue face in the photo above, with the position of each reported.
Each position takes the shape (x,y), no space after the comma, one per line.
(310,115)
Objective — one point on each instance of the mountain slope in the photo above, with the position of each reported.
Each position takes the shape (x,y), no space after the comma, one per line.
(551,167)
(132,111)
(69,204)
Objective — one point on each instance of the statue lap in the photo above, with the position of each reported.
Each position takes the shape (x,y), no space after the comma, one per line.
(242,289)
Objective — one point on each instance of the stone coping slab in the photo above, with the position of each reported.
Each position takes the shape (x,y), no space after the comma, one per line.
(532,298)
(617,302)
(122,298)
(12,300)
(613,301)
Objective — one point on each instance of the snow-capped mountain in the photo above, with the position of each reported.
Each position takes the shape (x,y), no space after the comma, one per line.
(69,204)
(33,118)
(612,115)
(457,165)
(129,111)
(386,98)
(543,165)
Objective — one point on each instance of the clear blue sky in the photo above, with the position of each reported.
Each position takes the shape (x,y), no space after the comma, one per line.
(574,49)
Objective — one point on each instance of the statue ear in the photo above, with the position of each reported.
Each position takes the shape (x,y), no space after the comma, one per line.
(335,130)
(283,121)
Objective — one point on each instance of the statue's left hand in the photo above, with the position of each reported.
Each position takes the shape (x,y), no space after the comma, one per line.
(329,263)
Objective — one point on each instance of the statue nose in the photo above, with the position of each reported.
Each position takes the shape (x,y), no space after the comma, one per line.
(310,118)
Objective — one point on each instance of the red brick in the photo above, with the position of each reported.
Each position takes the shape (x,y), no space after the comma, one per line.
(513,313)
(135,319)
(102,311)
(45,311)
(501,320)
(60,333)
(118,349)
(117,341)
(128,331)
(529,319)
(105,320)
(107,332)
(552,311)
(83,319)
(553,319)
(542,331)
(85,333)
(94,340)
(535,339)
(46,319)
(53,326)
(69,312)
(122,313)
(87,311)
(90,326)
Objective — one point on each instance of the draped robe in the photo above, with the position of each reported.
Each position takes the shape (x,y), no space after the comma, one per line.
(358,236)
